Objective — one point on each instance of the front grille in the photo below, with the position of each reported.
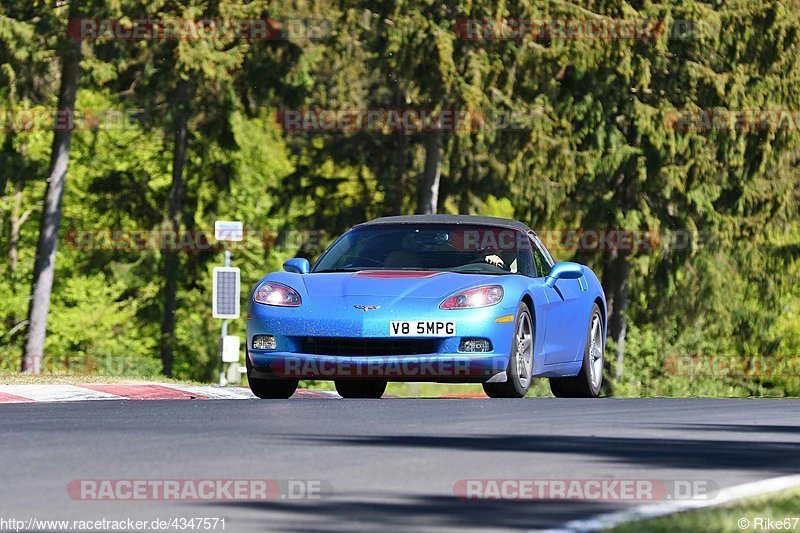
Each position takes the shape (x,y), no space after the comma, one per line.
(367,347)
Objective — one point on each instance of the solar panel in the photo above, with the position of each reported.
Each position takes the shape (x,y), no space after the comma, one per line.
(226,292)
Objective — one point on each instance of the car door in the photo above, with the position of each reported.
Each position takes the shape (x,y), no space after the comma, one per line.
(564,329)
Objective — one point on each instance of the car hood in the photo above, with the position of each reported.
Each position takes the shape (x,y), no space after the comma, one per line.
(391,283)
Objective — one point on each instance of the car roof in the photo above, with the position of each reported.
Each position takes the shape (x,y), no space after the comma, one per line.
(450,219)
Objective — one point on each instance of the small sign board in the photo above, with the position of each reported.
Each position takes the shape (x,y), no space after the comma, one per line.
(228,230)
(230,349)
(226,289)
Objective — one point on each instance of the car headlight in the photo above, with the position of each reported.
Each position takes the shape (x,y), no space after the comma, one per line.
(475,297)
(272,293)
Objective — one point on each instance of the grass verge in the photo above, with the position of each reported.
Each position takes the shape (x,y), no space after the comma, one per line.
(18,378)
(539,389)
(762,513)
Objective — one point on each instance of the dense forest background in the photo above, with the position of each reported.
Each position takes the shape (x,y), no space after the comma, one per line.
(688,135)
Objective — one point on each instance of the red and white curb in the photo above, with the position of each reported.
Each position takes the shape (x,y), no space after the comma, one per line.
(75,393)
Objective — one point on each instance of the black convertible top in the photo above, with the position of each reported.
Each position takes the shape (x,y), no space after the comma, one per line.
(449,219)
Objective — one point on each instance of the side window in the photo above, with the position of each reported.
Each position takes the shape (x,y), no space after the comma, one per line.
(527,265)
(541,259)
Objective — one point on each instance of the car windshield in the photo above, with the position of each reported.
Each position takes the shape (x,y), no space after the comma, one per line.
(451,248)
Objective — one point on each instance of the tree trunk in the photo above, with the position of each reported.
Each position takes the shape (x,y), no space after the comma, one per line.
(16,221)
(429,194)
(173,223)
(7,148)
(616,277)
(394,187)
(44,265)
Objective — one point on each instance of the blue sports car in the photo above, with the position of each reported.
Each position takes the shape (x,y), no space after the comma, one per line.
(445,298)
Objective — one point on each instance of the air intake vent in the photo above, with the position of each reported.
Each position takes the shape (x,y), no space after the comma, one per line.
(367,347)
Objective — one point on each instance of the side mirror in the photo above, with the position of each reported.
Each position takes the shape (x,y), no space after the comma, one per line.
(298,265)
(565,270)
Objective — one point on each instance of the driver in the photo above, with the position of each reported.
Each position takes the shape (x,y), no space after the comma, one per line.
(494,260)
(504,260)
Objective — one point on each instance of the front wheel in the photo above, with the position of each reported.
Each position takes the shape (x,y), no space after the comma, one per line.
(520,361)
(272,389)
(589,380)
(366,388)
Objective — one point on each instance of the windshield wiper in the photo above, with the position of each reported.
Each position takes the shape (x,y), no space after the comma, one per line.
(360,269)
(476,271)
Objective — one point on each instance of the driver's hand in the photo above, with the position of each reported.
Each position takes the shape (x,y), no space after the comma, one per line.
(494,260)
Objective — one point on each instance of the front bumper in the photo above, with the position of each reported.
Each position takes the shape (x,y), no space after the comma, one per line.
(445,363)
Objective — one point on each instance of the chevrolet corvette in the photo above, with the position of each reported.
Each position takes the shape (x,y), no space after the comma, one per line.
(445,298)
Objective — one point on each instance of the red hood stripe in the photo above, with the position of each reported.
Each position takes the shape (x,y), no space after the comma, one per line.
(395,274)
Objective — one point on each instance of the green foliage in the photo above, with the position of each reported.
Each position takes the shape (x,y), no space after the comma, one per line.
(591,146)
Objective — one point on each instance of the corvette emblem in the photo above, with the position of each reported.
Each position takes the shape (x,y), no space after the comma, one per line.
(366,308)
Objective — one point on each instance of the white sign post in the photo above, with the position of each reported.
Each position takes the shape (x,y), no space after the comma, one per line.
(225,293)
(228,230)
(230,349)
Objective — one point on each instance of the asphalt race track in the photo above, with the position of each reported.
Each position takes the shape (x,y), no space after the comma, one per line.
(390,464)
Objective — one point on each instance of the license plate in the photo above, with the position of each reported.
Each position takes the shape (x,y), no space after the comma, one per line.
(422,328)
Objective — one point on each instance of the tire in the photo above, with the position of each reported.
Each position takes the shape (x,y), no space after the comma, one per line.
(520,360)
(367,388)
(589,381)
(269,389)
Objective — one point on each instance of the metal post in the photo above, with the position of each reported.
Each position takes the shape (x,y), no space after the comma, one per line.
(222,381)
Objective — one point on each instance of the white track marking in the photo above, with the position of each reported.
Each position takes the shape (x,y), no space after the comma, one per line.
(240,393)
(74,393)
(216,393)
(643,512)
(57,393)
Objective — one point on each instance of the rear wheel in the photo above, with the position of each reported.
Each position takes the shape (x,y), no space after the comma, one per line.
(520,362)
(589,380)
(272,389)
(367,388)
